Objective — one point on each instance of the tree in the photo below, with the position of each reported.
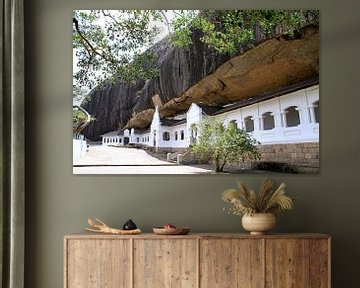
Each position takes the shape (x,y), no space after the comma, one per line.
(112,44)
(226,30)
(109,44)
(81,118)
(223,145)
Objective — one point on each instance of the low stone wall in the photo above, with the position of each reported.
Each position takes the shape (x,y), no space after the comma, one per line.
(293,158)
(188,158)
(285,158)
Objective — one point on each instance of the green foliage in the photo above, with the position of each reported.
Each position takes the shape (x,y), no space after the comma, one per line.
(267,200)
(78,116)
(226,30)
(80,119)
(110,44)
(223,145)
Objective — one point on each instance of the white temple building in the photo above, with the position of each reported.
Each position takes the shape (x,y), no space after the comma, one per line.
(290,115)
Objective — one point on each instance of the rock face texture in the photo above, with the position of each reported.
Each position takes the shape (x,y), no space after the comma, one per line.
(198,74)
(115,103)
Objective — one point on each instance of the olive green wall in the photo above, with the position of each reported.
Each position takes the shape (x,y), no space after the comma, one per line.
(59,203)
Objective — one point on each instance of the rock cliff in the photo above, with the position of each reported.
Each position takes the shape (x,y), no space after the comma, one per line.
(199,74)
(115,103)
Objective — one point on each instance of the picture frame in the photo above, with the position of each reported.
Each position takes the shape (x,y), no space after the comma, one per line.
(157,124)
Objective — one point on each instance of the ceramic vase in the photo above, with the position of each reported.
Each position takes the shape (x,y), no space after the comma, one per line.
(259,223)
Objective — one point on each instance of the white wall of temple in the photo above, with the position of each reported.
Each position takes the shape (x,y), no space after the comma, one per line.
(291,118)
(173,137)
(141,138)
(155,128)
(193,117)
(79,148)
(112,140)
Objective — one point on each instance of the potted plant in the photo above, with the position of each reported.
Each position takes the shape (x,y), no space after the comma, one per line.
(258,210)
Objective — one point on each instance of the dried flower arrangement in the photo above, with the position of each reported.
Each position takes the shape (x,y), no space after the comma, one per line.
(247,202)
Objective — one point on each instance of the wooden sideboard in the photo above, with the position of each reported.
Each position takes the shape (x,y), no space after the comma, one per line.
(197,260)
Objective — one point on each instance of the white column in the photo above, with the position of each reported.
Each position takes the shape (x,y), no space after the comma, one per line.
(304,115)
(261,123)
(241,125)
(283,118)
(312,114)
(256,123)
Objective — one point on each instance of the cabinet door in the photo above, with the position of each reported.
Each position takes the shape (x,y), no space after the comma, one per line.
(287,263)
(165,263)
(98,263)
(320,263)
(297,263)
(231,263)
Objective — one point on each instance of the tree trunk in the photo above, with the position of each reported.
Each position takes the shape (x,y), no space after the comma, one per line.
(223,165)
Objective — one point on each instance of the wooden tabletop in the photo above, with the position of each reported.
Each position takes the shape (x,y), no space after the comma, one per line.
(89,235)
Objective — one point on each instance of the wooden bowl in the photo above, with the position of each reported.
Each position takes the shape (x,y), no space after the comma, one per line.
(171,231)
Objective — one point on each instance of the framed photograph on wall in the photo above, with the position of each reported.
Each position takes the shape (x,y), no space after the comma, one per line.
(195,91)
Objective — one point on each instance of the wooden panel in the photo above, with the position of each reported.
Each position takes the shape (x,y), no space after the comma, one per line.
(197,260)
(319,263)
(98,264)
(166,263)
(231,263)
(287,263)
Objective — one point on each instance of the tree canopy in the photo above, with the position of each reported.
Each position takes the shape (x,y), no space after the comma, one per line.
(224,144)
(112,44)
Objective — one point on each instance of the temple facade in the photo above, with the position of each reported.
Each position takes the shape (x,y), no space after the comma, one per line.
(286,116)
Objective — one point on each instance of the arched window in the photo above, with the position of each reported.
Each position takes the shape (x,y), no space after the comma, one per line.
(316,111)
(166,136)
(182,135)
(176,135)
(292,116)
(137,139)
(249,124)
(234,122)
(268,121)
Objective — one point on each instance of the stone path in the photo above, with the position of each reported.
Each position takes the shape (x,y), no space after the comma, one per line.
(119,160)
